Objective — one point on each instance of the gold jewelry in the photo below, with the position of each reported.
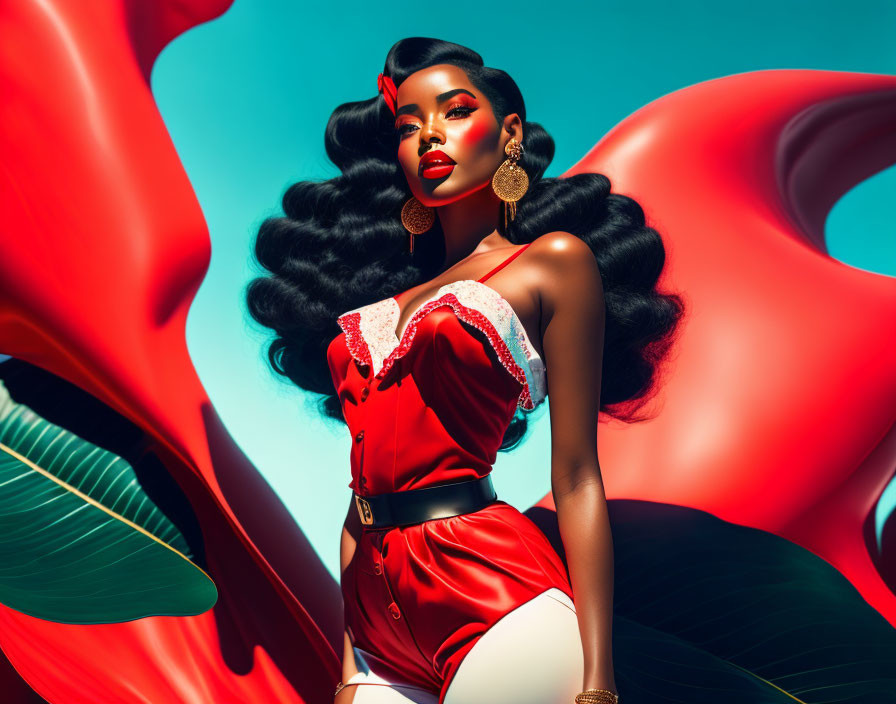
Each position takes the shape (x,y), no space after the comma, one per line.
(339,688)
(417,218)
(510,181)
(597,696)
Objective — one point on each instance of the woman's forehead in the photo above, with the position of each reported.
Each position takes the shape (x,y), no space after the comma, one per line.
(433,80)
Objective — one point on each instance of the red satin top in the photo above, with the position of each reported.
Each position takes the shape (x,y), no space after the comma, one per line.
(429,408)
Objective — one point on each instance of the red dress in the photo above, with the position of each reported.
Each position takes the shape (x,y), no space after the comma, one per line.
(432,409)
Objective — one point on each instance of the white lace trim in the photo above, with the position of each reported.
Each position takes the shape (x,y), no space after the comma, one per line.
(371,338)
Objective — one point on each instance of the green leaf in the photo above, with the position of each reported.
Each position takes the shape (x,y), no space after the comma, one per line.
(711,611)
(80,541)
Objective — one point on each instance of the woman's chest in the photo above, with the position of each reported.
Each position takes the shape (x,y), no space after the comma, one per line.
(460,319)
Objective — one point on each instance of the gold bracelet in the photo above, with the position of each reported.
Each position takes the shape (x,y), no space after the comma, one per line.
(339,688)
(597,696)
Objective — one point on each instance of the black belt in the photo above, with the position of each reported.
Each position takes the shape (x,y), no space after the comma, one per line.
(400,508)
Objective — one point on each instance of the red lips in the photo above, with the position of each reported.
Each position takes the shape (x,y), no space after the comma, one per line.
(435,158)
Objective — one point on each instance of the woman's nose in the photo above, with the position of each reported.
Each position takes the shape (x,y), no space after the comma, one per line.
(431,132)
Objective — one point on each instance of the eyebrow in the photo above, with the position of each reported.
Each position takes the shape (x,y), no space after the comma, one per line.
(441,97)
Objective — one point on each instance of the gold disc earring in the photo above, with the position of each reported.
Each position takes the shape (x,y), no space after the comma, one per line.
(510,181)
(417,218)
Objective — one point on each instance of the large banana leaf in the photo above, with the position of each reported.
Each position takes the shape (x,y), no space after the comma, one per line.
(707,612)
(80,541)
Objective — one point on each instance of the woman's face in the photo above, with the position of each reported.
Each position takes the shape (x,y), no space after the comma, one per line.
(439,109)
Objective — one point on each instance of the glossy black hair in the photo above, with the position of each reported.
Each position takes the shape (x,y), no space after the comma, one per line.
(340,243)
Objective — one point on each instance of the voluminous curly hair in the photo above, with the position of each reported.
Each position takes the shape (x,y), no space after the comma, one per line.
(340,243)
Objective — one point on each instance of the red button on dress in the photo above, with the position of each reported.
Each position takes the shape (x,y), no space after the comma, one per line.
(467,363)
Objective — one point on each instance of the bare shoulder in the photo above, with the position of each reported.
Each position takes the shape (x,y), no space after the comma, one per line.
(566,267)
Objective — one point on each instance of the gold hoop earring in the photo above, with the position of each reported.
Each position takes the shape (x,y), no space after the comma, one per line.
(510,181)
(417,218)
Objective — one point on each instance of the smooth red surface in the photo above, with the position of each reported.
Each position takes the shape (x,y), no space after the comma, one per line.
(777,412)
(779,406)
(104,247)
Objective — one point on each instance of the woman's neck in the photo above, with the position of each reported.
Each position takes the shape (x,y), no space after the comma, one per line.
(469,224)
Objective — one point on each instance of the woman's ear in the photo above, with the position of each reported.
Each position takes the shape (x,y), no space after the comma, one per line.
(513,128)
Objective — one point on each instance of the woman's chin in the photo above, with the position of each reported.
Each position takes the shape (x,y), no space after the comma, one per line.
(443,192)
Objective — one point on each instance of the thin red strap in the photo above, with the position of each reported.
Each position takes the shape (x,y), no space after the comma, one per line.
(505,262)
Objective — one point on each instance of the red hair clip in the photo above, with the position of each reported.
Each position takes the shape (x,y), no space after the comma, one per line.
(386,86)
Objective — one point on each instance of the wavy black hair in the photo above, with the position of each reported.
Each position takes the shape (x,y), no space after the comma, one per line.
(340,243)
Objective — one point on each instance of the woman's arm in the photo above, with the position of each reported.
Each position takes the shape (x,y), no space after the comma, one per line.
(573,314)
(351,532)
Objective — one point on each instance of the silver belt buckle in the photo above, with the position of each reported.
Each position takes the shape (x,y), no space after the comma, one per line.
(364,510)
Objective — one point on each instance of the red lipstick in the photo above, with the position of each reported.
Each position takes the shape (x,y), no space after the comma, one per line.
(436,164)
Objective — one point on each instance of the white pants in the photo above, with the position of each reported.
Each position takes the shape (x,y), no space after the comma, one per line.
(532,655)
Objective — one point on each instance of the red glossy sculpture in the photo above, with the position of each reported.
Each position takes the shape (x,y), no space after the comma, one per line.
(777,413)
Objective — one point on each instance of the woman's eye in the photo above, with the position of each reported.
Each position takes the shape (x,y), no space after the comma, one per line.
(463,110)
(460,110)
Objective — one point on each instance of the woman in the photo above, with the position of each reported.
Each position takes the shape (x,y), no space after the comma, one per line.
(451,595)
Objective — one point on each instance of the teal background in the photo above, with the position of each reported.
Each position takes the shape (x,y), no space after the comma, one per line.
(246,98)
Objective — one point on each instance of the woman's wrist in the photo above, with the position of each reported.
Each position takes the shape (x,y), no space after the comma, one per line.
(600,676)
(597,695)
(599,689)
(600,684)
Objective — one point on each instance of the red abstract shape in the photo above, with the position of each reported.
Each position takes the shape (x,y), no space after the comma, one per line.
(104,247)
(778,412)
